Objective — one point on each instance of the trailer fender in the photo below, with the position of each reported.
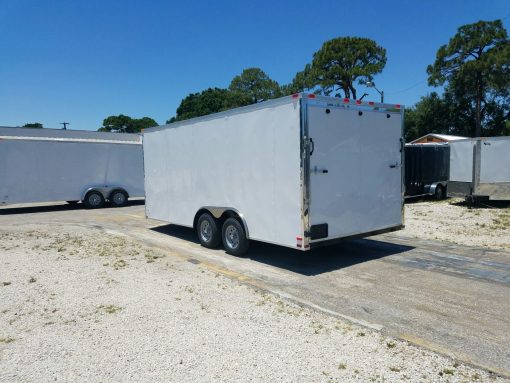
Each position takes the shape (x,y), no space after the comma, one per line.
(222,213)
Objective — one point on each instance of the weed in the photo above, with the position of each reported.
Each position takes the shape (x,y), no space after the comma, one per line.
(32,280)
(342,366)
(119,264)
(395,369)
(390,344)
(6,340)
(446,371)
(109,309)
(361,333)
(6,283)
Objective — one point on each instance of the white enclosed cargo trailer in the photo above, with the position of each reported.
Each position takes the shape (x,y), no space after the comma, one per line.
(480,168)
(49,165)
(298,171)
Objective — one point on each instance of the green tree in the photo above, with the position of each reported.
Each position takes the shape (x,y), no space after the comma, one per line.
(253,85)
(475,65)
(37,125)
(126,124)
(209,101)
(430,115)
(339,64)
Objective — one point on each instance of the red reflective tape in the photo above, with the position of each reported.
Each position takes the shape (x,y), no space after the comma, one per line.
(346,100)
(358,102)
(295,95)
(311,96)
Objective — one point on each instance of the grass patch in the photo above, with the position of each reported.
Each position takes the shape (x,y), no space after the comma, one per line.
(342,366)
(109,309)
(6,283)
(390,344)
(6,340)
(446,371)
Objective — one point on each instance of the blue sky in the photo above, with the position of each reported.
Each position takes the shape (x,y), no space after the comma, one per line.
(81,61)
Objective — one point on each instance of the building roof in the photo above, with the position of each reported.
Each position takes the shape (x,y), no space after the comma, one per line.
(443,137)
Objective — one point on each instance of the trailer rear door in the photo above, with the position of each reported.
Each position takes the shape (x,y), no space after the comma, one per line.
(355,171)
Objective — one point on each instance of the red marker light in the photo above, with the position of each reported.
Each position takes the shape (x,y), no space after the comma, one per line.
(370,103)
(358,102)
(299,238)
(295,95)
(397,106)
(311,96)
(346,100)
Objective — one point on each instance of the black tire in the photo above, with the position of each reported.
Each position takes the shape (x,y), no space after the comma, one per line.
(234,237)
(94,200)
(208,231)
(118,198)
(439,194)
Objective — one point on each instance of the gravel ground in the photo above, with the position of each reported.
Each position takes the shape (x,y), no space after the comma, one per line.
(451,221)
(85,305)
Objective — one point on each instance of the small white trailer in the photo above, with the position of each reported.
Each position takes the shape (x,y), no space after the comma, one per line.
(299,171)
(480,168)
(49,165)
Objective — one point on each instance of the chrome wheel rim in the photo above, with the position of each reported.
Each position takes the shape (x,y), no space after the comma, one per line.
(232,237)
(119,198)
(205,231)
(94,199)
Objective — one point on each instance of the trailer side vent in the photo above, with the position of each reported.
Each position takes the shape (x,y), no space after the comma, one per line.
(319,231)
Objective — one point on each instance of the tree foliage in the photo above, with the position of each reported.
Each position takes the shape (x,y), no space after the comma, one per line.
(339,64)
(253,85)
(475,66)
(126,124)
(36,125)
(212,100)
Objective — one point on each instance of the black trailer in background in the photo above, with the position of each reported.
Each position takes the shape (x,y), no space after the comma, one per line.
(427,169)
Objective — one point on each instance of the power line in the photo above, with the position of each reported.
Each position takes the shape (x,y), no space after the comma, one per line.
(410,87)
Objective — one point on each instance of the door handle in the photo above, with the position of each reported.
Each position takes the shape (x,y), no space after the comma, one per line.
(312,146)
(316,170)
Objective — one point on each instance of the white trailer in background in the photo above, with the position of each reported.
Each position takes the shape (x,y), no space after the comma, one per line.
(49,165)
(480,168)
(299,171)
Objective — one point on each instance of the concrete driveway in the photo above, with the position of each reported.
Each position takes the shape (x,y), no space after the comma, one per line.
(448,298)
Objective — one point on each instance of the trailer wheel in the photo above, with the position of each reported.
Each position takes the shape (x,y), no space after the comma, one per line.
(118,198)
(208,231)
(439,194)
(234,237)
(93,200)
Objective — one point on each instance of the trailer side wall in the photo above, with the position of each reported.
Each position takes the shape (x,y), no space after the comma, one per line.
(246,161)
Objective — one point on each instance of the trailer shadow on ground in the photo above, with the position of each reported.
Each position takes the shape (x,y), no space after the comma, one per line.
(317,261)
(46,208)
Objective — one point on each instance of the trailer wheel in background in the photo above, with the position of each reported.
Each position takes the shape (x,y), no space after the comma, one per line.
(118,198)
(234,237)
(93,200)
(208,231)
(439,194)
